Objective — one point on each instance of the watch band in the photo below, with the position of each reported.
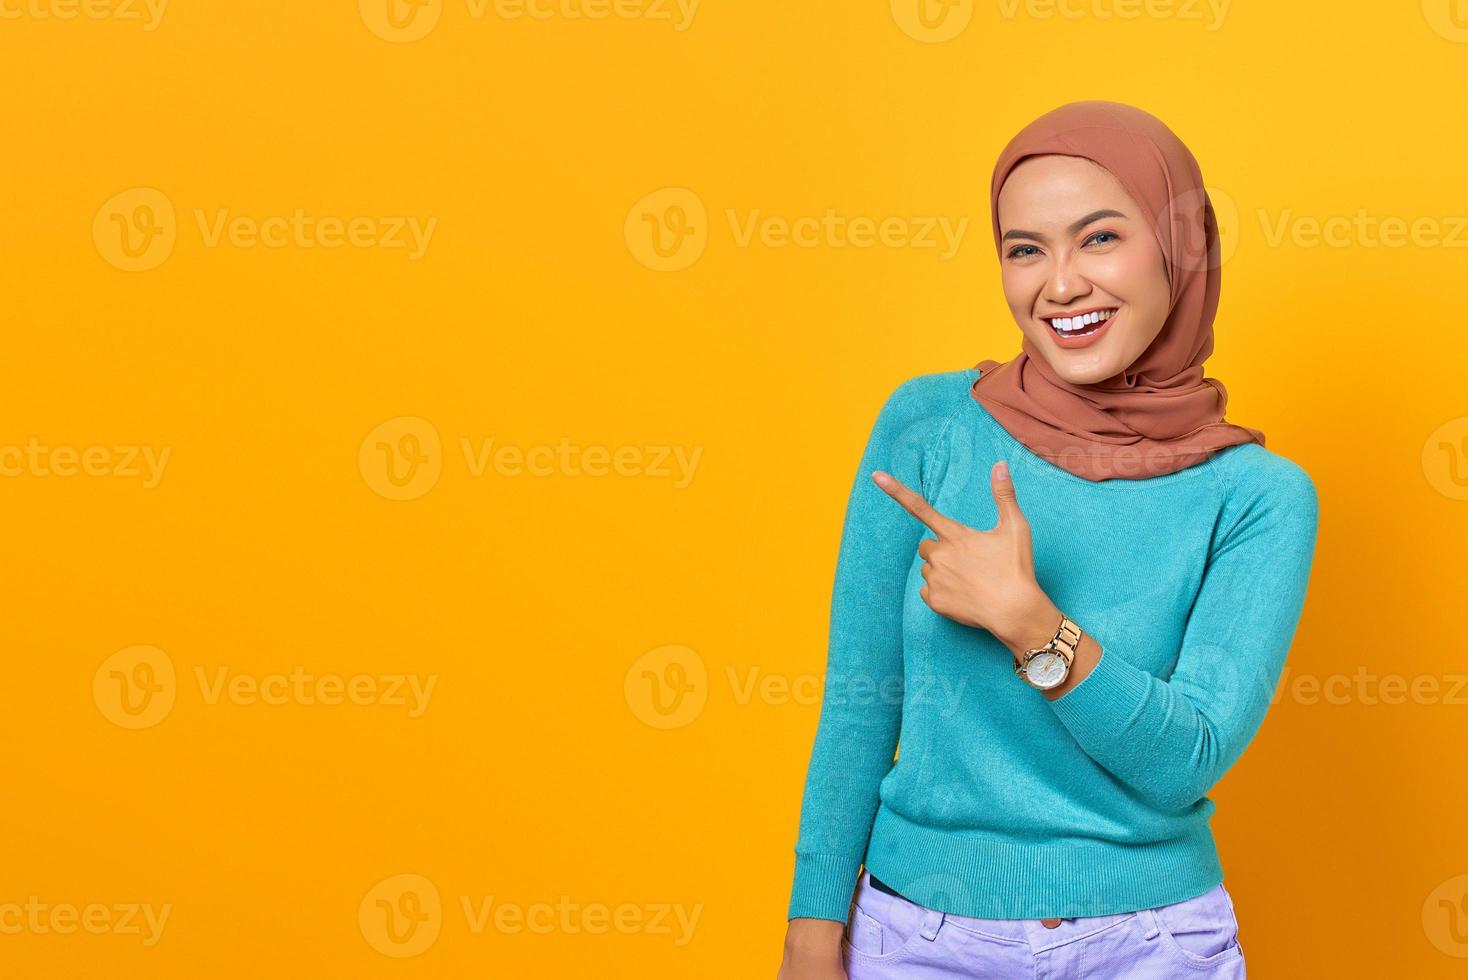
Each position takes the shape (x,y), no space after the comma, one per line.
(1065,641)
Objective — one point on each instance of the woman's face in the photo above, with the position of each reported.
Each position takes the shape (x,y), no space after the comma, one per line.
(1074,242)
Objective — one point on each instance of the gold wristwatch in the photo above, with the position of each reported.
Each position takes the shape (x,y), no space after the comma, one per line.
(1048,666)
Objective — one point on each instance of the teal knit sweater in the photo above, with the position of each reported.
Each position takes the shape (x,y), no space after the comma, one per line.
(1002,803)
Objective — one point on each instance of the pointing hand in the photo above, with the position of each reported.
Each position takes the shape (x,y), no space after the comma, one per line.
(984,579)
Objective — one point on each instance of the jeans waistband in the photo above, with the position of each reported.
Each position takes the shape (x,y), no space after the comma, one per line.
(881,886)
(1031,932)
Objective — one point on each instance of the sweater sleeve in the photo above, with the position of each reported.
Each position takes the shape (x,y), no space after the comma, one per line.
(1171,740)
(861,709)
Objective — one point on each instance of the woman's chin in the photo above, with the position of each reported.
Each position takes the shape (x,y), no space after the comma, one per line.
(1083,367)
(1097,362)
(1103,369)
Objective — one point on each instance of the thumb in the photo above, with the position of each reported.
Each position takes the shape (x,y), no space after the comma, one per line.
(1004,499)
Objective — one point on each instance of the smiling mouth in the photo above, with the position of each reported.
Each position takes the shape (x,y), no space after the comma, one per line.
(1082,325)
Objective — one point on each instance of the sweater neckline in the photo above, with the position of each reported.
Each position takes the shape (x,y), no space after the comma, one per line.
(1035,463)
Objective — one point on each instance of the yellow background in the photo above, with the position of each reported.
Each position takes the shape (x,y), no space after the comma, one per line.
(543,605)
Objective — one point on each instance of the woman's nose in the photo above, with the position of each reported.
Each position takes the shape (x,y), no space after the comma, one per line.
(1065,284)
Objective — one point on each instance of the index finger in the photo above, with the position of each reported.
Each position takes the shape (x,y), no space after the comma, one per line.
(914,504)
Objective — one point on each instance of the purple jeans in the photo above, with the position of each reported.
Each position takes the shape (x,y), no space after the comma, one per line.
(890,937)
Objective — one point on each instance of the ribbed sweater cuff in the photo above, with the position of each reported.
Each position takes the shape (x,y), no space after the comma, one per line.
(823,886)
(1100,708)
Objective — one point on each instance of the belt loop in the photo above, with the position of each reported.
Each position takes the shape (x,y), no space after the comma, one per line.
(1149,924)
(932,919)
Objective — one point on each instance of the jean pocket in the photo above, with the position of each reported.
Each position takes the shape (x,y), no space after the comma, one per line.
(883,928)
(1200,931)
(863,932)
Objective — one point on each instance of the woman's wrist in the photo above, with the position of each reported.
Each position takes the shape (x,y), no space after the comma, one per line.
(1034,625)
(805,935)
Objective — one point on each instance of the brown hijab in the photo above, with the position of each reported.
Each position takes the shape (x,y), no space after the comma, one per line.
(1160,414)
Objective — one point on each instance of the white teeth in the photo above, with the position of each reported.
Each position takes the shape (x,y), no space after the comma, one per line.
(1079,322)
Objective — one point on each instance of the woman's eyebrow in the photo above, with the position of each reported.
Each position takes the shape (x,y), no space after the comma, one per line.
(1075,226)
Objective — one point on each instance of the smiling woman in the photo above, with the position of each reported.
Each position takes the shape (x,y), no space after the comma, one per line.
(1107,571)
(1099,209)
(1071,279)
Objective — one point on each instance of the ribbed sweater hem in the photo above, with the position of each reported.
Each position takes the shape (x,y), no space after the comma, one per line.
(824,884)
(984,877)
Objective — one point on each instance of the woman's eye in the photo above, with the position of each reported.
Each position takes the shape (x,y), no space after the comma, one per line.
(1102,234)
(1015,253)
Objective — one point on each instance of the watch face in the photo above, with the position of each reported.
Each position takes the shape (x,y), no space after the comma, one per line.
(1046,669)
